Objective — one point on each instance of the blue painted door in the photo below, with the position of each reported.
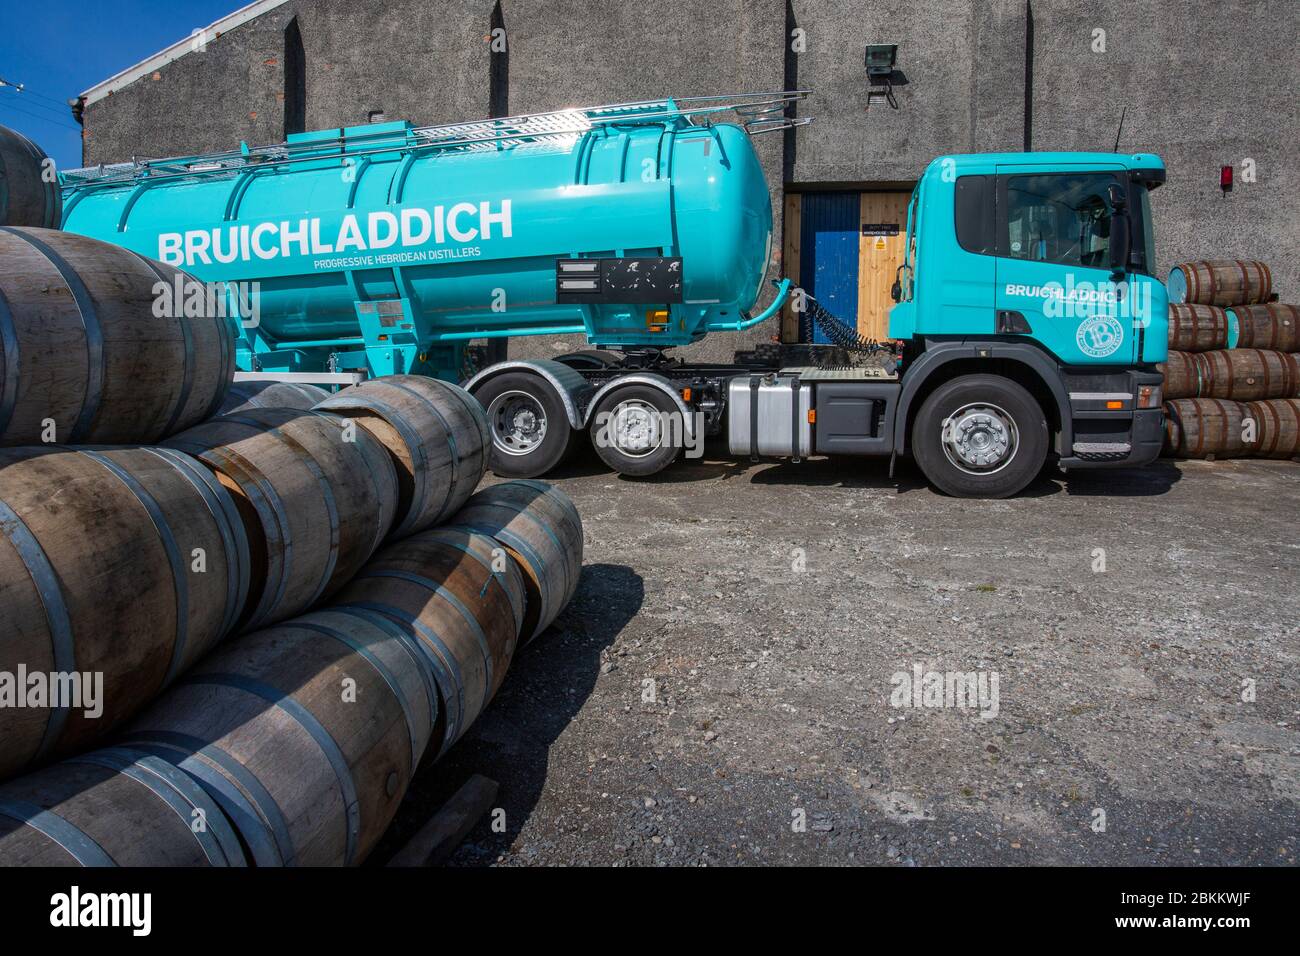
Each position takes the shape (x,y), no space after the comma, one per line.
(828,265)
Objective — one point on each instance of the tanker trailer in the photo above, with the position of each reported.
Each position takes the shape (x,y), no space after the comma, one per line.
(383,249)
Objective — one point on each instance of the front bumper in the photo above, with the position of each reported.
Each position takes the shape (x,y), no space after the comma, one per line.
(1109,428)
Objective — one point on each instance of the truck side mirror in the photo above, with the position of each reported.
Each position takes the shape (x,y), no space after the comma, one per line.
(1120,243)
(896,291)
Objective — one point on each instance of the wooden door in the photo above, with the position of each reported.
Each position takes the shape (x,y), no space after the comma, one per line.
(881,245)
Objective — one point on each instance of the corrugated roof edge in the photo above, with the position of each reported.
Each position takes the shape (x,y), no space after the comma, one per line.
(178,49)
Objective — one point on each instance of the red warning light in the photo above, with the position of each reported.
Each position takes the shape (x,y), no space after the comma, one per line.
(1225,178)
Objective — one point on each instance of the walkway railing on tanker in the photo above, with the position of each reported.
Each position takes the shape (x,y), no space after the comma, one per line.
(757,112)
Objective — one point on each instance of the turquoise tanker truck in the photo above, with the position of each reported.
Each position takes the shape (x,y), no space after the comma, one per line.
(1027,324)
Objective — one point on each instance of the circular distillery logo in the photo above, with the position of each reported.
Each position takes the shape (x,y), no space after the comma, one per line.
(1100,335)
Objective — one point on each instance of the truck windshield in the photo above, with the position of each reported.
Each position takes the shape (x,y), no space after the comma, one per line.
(1061,217)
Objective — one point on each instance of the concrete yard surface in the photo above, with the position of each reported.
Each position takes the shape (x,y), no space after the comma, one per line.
(732,683)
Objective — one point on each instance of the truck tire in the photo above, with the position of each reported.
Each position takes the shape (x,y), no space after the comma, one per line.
(530,430)
(628,430)
(980,436)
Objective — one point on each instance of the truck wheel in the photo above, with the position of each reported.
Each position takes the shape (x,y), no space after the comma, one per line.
(530,430)
(632,430)
(980,436)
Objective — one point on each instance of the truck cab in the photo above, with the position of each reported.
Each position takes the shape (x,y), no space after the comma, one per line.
(1036,268)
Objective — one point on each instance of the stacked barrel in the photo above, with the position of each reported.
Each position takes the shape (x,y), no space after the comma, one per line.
(1232,379)
(263,604)
(29,190)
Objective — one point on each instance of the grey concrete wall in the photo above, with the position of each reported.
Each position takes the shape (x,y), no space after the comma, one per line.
(412,59)
(578,52)
(949,102)
(1205,84)
(201,102)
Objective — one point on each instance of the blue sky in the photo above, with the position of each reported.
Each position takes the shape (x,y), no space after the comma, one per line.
(59,48)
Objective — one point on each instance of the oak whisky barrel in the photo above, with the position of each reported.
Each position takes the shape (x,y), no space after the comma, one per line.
(306,734)
(113,807)
(540,527)
(1182,375)
(462,599)
(131,563)
(316,502)
(85,359)
(1197,328)
(29,190)
(1205,428)
(1273,325)
(437,434)
(1277,427)
(1247,374)
(1220,282)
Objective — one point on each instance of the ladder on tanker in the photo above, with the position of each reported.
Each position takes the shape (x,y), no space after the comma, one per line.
(756,112)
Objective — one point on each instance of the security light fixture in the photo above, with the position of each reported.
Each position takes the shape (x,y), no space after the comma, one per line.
(880,60)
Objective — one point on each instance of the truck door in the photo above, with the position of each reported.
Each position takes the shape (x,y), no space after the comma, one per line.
(1053,279)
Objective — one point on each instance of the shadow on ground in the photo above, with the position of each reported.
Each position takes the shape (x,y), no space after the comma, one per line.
(874,473)
(549,681)
(1154,479)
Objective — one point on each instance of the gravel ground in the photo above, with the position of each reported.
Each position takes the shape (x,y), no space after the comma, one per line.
(719,691)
